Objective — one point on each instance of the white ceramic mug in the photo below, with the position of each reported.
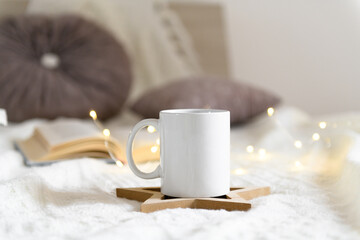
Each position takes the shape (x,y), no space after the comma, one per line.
(194,152)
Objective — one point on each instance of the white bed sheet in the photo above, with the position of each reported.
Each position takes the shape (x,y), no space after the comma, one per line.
(76,199)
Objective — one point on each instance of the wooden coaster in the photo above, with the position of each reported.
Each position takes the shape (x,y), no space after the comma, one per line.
(153,200)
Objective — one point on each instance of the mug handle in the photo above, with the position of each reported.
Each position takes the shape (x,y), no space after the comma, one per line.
(144,123)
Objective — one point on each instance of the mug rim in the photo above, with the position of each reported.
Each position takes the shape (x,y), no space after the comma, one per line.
(194,111)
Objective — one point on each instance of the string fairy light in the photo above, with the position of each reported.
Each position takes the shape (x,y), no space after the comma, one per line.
(262,153)
(316,137)
(97,123)
(239,171)
(119,163)
(154,149)
(106,133)
(107,137)
(298,166)
(250,149)
(270,111)
(322,125)
(151,129)
(93,114)
(298,144)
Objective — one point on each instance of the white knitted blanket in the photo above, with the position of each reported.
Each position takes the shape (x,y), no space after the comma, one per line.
(315,190)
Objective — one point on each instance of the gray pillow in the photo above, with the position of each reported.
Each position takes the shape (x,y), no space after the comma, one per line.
(63,66)
(242,100)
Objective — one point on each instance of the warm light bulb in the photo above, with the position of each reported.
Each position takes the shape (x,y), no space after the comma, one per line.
(93,114)
(298,165)
(240,171)
(151,129)
(262,152)
(158,141)
(106,132)
(322,125)
(298,144)
(250,149)
(315,137)
(270,111)
(154,149)
(119,163)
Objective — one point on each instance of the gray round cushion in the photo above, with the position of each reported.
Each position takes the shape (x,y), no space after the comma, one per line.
(64,66)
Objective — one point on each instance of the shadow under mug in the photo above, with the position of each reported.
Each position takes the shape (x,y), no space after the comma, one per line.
(194,152)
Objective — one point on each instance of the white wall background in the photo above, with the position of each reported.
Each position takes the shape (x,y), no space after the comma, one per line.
(307,51)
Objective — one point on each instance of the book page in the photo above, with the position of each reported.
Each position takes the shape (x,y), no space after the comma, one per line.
(65,130)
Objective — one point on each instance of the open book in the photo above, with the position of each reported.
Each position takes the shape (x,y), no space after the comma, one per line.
(69,139)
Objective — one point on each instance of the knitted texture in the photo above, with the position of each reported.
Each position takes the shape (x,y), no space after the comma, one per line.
(76,199)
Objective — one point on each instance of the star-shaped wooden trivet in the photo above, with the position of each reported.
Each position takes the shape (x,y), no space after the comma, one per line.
(153,200)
